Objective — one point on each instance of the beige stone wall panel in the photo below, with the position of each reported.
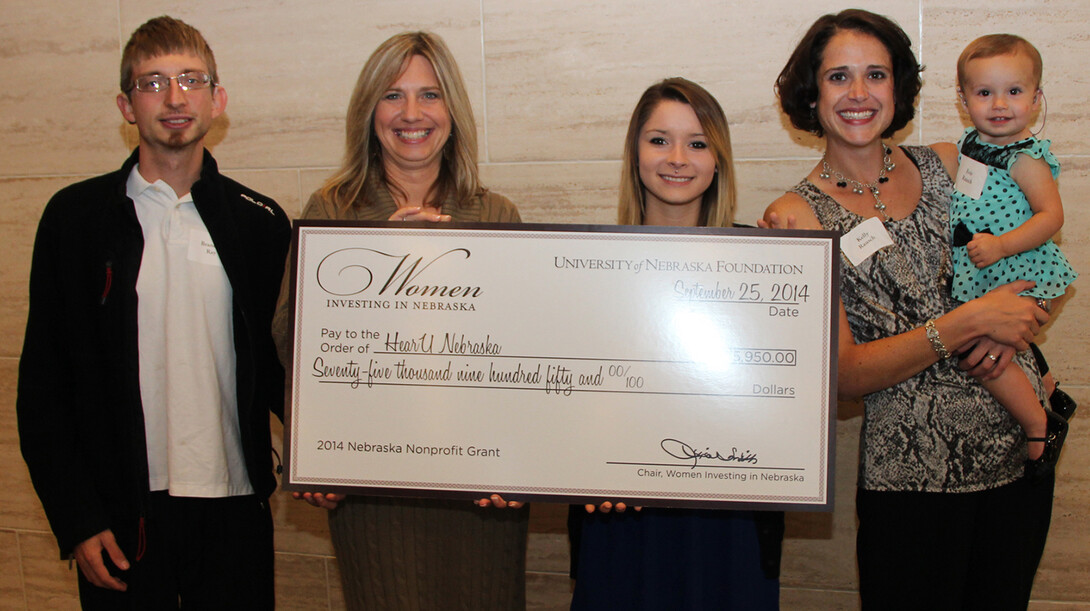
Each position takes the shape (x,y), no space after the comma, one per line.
(1067,337)
(59,75)
(575,192)
(11,577)
(50,583)
(301,582)
(761,181)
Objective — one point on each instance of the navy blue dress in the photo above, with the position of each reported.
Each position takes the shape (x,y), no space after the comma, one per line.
(676,559)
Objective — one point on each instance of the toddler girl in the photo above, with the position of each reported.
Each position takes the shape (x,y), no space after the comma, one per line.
(1006,208)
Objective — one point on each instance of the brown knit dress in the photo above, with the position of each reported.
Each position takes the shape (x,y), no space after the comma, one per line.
(403,553)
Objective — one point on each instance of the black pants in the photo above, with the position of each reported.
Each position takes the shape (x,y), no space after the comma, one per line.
(938,551)
(198,554)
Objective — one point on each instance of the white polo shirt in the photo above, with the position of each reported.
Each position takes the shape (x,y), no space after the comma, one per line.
(187,354)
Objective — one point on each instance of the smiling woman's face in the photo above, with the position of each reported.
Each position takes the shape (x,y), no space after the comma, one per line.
(676,164)
(855,89)
(411,120)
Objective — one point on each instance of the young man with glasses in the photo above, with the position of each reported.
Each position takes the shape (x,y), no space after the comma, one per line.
(148,371)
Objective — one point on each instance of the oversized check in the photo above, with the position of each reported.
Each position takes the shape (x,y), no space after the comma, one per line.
(691,367)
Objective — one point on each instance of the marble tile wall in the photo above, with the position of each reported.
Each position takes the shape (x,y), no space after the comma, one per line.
(552,85)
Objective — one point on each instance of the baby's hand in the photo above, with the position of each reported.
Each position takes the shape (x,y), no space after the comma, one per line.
(985,249)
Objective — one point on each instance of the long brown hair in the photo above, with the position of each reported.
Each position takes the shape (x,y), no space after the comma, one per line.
(717,203)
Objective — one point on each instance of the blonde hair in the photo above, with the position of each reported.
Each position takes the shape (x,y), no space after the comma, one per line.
(994,45)
(458,179)
(717,203)
(163,36)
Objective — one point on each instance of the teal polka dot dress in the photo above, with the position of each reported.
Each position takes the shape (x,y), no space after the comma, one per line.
(1003,207)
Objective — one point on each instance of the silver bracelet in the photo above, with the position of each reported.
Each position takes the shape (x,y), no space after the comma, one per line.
(936,341)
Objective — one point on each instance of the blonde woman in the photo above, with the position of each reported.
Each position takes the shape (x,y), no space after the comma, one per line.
(678,172)
(411,154)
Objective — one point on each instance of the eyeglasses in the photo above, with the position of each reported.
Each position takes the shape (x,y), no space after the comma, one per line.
(187,81)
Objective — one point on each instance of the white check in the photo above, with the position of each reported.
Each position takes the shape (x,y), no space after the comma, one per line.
(566,363)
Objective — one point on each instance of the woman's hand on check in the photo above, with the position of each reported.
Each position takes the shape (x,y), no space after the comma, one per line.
(607,507)
(497,501)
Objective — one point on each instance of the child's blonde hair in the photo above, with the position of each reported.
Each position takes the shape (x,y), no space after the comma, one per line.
(994,45)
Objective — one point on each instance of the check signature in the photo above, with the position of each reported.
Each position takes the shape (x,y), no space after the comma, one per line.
(684,451)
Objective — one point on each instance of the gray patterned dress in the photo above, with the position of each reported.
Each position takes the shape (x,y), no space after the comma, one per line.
(938,431)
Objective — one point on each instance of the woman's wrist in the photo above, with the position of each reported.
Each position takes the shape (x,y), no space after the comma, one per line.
(962,325)
(935,340)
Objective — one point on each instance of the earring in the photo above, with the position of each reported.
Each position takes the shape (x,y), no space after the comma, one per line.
(1044,111)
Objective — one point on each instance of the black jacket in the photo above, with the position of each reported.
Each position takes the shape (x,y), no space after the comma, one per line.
(81,423)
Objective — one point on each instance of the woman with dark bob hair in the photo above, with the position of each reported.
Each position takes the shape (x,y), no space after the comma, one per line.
(947,517)
(797,84)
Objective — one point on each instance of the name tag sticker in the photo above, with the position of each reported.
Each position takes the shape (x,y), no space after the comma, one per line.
(867,238)
(971,177)
(201,248)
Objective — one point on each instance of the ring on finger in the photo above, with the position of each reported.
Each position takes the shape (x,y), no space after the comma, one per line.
(993,357)
(1044,305)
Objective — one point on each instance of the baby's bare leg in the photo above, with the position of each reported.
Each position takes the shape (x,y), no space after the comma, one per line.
(1013,390)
